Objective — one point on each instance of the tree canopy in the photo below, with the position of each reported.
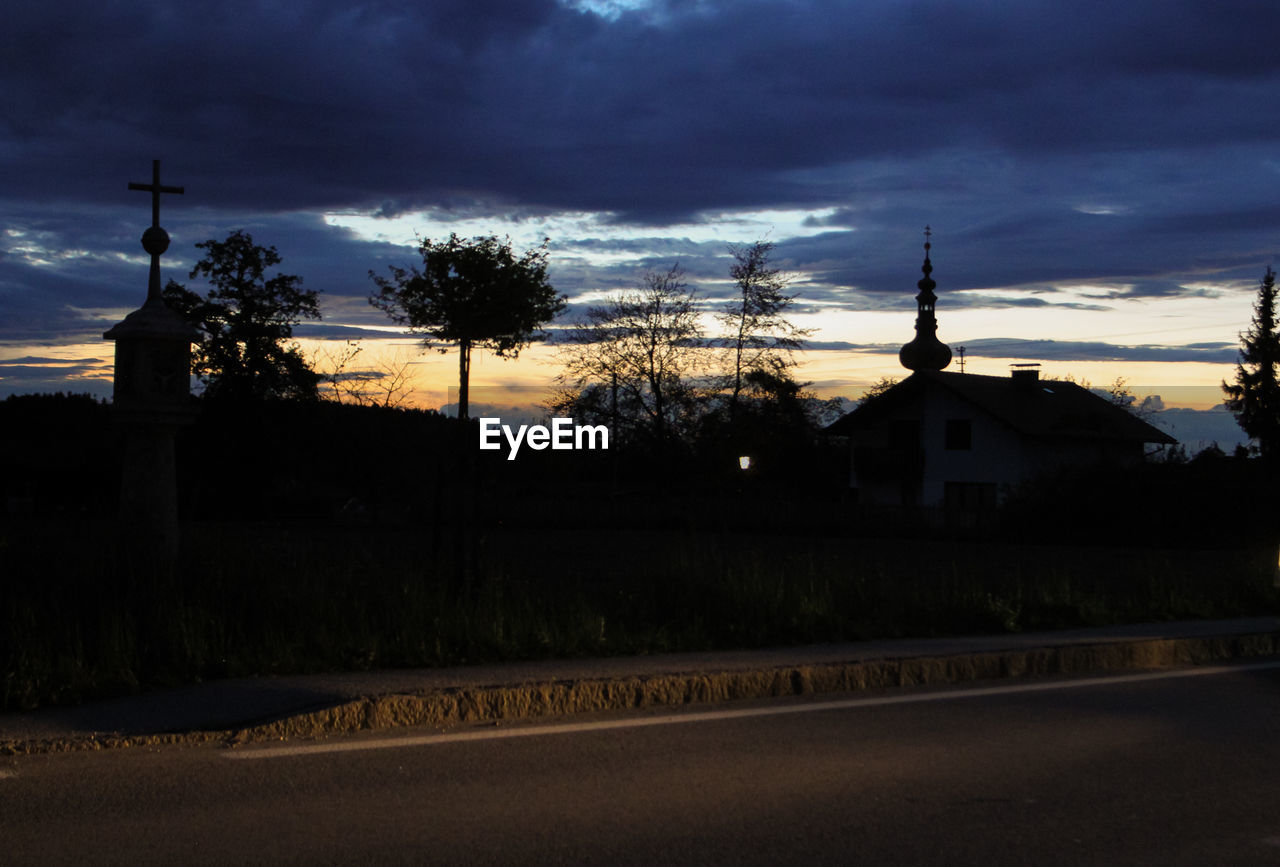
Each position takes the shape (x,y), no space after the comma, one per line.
(474,294)
(1254,396)
(246,321)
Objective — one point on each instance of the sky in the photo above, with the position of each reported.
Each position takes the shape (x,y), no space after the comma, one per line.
(1102,179)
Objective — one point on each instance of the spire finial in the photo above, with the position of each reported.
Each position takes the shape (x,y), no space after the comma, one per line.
(926,351)
(928,266)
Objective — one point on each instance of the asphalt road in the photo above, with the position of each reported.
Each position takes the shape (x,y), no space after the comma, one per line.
(1169,771)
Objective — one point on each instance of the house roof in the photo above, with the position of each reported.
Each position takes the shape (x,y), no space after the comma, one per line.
(1031,406)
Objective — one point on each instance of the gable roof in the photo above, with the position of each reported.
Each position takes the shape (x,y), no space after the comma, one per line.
(1031,406)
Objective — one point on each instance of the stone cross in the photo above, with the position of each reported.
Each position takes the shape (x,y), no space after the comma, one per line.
(151,399)
(155,189)
(155,240)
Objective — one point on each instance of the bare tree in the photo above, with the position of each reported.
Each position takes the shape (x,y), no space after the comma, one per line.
(388,382)
(760,339)
(636,359)
(394,386)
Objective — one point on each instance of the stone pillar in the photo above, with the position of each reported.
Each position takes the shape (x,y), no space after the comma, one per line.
(152,399)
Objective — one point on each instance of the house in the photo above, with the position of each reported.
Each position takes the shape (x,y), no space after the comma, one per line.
(962,441)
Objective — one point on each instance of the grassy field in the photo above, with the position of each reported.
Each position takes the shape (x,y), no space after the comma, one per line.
(77,621)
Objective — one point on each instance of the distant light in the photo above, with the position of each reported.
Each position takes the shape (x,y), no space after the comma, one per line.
(745,462)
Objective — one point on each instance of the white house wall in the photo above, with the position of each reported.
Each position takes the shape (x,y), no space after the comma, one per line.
(997,455)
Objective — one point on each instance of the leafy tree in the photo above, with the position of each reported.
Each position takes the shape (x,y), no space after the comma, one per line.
(245,322)
(475,294)
(1254,396)
(637,358)
(760,339)
(776,423)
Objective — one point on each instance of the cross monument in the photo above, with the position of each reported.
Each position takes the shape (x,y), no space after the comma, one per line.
(151,398)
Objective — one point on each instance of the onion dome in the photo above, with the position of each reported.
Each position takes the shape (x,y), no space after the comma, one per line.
(926,351)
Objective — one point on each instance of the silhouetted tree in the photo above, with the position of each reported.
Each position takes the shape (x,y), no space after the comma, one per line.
(878,389)
(759,337)
(473,293)
(635,360)
(1254,396)
(1168,454)
(1123,397)
(776,422)
(387,382)
(245,321)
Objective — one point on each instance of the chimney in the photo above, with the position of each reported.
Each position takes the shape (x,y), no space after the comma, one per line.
(1026,375)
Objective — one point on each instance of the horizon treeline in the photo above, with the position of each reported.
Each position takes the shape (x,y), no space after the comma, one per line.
(328,463)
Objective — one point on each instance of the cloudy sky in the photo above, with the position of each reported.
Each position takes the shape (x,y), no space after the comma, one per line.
(1102,179)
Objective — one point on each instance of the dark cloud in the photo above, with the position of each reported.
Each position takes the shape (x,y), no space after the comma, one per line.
(1052,350)
(727,105)
(1076,350)
(844,346)
(9,364)
(1124,146)
(322,331)
(50,374)
(62,274)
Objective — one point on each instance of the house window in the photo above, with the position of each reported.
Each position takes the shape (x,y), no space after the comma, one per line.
(959,435)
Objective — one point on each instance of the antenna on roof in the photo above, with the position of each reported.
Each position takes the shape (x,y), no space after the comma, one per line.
(962,359)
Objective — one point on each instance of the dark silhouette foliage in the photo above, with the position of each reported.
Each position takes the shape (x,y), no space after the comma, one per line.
(633,362)
(475,294)
(641,364)
(775,425)
(1212,500)
(758,336)
(1254,396)
(58,455)
(312,461)
(246,321)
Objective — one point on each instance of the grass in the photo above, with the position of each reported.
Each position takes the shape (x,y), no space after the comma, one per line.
(77,623)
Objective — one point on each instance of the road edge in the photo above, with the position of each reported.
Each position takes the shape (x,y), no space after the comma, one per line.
(450,706)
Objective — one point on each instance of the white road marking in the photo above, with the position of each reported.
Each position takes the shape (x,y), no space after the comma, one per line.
(489,734)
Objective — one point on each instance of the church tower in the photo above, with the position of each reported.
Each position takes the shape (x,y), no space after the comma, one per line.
(926,351)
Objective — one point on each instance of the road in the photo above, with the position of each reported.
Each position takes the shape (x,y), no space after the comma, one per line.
(1122,770)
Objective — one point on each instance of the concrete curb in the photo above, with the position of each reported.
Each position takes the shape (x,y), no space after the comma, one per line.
(450,706)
